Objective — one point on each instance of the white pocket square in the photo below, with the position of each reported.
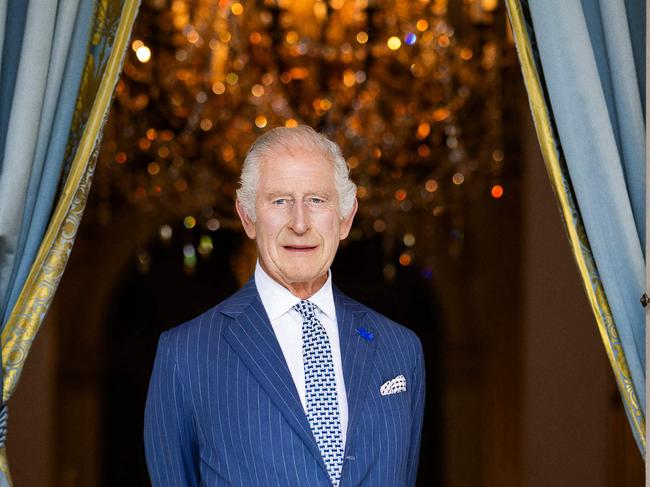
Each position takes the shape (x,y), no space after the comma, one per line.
(393,386)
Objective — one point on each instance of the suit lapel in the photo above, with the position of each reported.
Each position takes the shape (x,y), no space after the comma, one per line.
(252,337)
(357,355)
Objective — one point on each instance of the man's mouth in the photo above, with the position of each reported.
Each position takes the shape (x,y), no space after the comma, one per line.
(299,248)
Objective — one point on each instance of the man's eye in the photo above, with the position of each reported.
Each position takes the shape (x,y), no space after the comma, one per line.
(280,201)
(316,200)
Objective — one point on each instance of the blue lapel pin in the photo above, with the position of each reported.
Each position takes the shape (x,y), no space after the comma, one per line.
(365,334)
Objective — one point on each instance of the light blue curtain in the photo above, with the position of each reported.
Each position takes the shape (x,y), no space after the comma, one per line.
(40,80)
(591,60)
(43,48)
(60,61)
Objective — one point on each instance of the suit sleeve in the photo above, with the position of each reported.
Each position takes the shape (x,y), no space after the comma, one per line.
(418,391)
(169,433)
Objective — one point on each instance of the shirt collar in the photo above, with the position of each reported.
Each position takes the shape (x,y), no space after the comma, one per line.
(278,300)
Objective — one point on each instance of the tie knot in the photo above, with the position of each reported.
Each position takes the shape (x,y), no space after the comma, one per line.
(307,309)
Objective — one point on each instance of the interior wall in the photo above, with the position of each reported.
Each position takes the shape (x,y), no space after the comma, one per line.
(574,431)
(31,432)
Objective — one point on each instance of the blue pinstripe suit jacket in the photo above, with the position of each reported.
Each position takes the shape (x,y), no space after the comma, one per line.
(223,410)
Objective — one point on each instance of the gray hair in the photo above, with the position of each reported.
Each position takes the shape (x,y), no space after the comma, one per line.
(289,141)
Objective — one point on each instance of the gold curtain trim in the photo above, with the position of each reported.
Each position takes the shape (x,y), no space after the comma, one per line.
(573,224)
(53,253)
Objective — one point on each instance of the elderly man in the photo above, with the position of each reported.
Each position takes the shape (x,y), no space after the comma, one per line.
(288,382)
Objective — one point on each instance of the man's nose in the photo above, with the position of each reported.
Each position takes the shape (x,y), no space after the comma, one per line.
(299,217)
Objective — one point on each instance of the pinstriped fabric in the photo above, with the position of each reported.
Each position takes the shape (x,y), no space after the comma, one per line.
(223,410)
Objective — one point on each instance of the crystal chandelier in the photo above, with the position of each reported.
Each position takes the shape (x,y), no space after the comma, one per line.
(411,91)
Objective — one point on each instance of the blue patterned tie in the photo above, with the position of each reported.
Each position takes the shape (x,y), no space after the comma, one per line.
(320,390)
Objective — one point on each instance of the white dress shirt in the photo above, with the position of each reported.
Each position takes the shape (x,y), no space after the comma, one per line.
(287,325)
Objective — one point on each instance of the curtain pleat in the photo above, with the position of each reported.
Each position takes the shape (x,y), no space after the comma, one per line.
(3,18)
(580,66)
(13,25)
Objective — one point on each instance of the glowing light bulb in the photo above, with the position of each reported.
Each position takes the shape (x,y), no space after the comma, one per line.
(496,191)
(394,43)
(143,53)
(189,222)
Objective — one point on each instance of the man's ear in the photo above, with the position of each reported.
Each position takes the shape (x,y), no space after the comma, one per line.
(346,223)
(247,223)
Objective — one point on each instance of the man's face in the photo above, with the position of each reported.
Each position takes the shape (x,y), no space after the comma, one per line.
(298,225)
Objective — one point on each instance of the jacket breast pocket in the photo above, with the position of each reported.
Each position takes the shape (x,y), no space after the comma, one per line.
(393,402)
